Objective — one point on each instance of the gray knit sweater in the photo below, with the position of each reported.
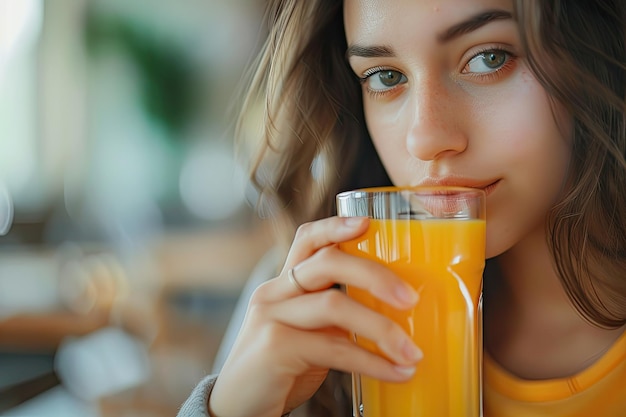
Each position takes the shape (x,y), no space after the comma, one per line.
(196,404)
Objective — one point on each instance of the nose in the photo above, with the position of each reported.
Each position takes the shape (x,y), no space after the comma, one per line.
(436,128)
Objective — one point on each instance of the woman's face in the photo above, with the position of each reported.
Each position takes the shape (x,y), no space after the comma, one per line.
(449,100)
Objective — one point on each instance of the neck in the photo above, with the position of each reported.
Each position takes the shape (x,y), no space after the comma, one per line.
(529,284)
(531,327)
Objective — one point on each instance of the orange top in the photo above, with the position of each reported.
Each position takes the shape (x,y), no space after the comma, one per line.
(599,390)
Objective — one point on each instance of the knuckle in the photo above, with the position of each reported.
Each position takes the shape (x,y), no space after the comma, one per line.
(390,328)
(342,349)
(260,294)
(304,230)
(351,357)
(381,278)
(326,254)
(332,300)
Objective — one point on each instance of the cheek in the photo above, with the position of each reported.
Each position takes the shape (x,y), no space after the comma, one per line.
(533,155)
(387,128)
(537,146)
(388,124)
(523,132)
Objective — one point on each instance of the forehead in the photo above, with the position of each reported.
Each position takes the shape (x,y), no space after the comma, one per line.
(367,20)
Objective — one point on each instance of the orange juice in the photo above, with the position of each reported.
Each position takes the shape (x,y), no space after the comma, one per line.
(443,260)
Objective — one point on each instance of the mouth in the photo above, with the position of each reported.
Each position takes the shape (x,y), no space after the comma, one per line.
(491,187)
(487,186)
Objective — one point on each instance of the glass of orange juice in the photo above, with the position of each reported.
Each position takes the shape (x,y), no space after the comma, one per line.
(434,239)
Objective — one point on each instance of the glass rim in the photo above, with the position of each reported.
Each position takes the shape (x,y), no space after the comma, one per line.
(433,190)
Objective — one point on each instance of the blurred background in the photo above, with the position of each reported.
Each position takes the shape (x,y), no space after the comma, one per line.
(133,228)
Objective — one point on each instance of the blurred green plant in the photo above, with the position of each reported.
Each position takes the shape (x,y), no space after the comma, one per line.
(166,71)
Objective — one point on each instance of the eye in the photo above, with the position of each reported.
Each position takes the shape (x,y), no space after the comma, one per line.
(487,61)
(380,80)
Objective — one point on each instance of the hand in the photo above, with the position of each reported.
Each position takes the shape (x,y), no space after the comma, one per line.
(292,335)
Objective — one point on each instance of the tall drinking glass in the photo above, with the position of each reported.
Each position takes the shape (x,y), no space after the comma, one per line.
(434,239)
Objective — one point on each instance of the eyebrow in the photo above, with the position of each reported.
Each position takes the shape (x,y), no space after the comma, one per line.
(472,24)
(466,26)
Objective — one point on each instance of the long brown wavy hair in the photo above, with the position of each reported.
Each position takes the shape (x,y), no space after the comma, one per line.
(314,141)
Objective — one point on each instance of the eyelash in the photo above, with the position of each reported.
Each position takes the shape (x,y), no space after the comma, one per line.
(373,71)
(486,77)
(481,77)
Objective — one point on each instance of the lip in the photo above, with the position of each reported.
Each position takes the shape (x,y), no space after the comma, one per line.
(488,186)
(491,187)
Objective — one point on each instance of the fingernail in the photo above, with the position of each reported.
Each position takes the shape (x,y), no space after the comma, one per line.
(411,352)
(405,370)
(407,295)
(353,222)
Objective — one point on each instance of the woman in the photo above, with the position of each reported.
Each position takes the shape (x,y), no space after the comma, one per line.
(524,99)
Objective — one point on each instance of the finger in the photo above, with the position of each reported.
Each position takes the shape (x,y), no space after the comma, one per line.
(289,353)
(333,308)
(340,353)
(330,266)
(310,237)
